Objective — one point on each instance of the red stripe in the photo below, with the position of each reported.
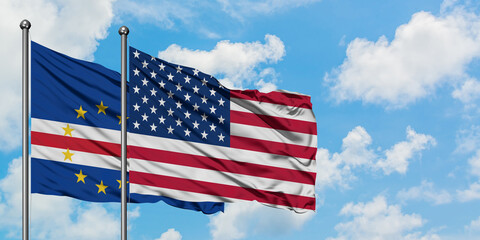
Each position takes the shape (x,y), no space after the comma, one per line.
(282,98)
(279,123)
(73,143)
(272,147)
(217,164)
(216,189)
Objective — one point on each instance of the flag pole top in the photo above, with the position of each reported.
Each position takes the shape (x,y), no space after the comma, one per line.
(26,24)
(123,30)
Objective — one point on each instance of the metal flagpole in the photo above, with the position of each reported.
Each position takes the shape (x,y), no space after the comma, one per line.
(123,31)
(25,26)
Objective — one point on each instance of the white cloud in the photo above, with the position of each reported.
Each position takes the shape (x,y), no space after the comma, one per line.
(378,220)
(468,92)
(474,226)
(337,168)
(245,8)
(71,27)
(238,63)
(53,217)
(397,157)
(474,163)
(426,52)
(425,192)
(170,234)
(468,140)
(470,194)
(250,218)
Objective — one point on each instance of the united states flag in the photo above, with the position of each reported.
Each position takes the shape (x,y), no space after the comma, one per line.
(192,139)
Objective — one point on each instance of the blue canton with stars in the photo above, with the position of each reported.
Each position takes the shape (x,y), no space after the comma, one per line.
(174,101)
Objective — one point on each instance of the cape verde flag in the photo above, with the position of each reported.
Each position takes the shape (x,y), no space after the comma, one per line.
(75,132)
(192,139)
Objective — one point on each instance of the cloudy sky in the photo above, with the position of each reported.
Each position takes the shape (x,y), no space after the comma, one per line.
(395,88)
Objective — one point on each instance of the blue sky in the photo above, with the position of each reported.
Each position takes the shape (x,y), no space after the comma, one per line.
(395,89)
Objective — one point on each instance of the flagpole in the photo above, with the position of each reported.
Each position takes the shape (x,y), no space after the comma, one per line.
(25,26)
(123,31)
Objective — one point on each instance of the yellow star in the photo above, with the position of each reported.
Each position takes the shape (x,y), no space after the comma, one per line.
(68,130)
(120,183)
(101,108)
(68,155)
(101,187)
(80,176)
(120,117)
(81,112)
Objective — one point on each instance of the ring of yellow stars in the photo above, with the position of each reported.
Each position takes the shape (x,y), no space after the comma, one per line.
(81,112)
(101,108)
(101,187)
(120,183)
(68,155)
(68,130)
(120,117)
(80,176)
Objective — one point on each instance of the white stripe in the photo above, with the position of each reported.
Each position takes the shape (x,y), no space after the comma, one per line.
(274,135)
(226,178)
(271,109)
(194,197)
(221,152)
(80,158)
(80,131)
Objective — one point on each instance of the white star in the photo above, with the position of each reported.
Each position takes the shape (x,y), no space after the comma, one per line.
(179,87)
(221,102)
(153,109)
(187,97)
(221,119)
(195,124)
(136,53)
(162,84)
(187,114)
(145,64)
(204,117)
(145,99)
(162,67)
(136,89)
(170,77)
(204,82)
(195,89)
(154,128)
(145,82)
(221,137)
(154,92)
(212,127)
(162,119)
(136,125)
(213,109)
(153,58)
(220,85)
(187,79)
(145,117)
(170,94)
(179,122)
(212,92)
(179,104)
(170,112)
(179,69)
(162,102)
(136,107)
(195,107)
(204,99)
(195,72)
(204,135)
(187,132)
(153,74)
(136,72)
(170,130)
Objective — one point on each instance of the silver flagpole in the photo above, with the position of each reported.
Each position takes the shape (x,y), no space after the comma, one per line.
(25,26)
(123,31)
